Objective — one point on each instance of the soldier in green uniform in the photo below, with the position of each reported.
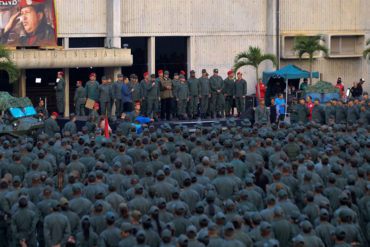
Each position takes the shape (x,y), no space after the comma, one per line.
(228,92)
(117,86)
(340,113)
(175,84)
(318,113)
(329,112)
(111,235)
(143,93)
(105,95)
(352,112)
(135,91)
(70,126)
(41,110)
(153,97)
(95,112)
(182,97)
(240,92)
(294,111)
(303,112)
(260,112)
(194,92)
(60,89)
(216,85)
(166,94)
(79,99)
(204,94)
(92,88)
(51,126)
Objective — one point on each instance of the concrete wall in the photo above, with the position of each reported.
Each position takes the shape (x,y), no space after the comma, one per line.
(81,18)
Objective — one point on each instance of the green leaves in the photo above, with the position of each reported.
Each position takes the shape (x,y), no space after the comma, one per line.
(366,52)
(253,57)
(309,45)
(8,65)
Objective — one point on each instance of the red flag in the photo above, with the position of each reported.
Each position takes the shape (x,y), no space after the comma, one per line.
(106,129)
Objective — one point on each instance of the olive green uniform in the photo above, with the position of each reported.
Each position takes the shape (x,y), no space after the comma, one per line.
(51,127)
(194,91)
(60,88)
(182,95)
(240,91)
(205,92)
(152,95)
(92,90)
(228,92)
(79,100)
(303,112)
(143,96)
(217,99)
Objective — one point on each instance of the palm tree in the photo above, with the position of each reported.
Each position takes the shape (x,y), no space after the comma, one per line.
(309,45)
(254,58)
(367,51)
(8,65)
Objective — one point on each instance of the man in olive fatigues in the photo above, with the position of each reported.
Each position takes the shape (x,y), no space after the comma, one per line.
(303,112)
(194,92)
(153,97)
(340,113)
(51,126)
(105,96)
(79,99)
(182,97)
(204,93)
(60,88)
(70,126)
(352,112)
(293,109)
(117,95)
(228,92)
(318,113)
(166,94)
(92,88)
(240,92)
(260,112)
(175,84)
(216,85)
(143,94)
(329,112)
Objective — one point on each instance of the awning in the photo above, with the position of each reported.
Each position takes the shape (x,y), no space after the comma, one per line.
(288,72)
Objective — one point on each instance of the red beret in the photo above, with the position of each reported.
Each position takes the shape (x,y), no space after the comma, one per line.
(240,73)
(160,71)
(96,105)
(55,114)
(25,3)
(92,74)
(137,103)
(60,73)
(146,73)
(229,72)
(182,72)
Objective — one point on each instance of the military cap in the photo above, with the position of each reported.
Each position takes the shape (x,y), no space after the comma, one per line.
(282,193)
(183,240)
(278,211)
(204,71)
(152,76)
(220,216)
(141,233)
(119,75)
(324,212)
(248,181)
(154,209)
(182,77)
(265,226)
(166,72)
(179,208)
(212,226)
(299,240)
(109,216)
(76,188)
(339,232)
(221,166)
(192,72)
(306,226)
(191,228)
(145,219)
(166,233)
(215,71)
(16,179)
(103,77)
(53,204)
(63,201)
(229,227)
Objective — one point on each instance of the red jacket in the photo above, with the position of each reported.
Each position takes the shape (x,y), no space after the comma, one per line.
(262,90)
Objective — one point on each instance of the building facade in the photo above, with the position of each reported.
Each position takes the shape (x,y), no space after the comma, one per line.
(110,36)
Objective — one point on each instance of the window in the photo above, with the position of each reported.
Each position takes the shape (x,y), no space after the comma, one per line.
(346,45)
(289,53)
(86,42)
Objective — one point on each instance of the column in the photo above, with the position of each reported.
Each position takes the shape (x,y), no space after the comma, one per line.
(22,83)
(190,54)
(66,93)
(113,39)
(270,31)
(151,55)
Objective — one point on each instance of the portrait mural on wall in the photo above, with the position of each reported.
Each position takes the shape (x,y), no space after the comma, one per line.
(27,23)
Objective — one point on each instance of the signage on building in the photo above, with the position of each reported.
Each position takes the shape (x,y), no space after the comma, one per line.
(28,23)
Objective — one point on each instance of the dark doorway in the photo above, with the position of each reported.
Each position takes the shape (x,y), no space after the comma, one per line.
(139,51)
(4,82)
(171,54)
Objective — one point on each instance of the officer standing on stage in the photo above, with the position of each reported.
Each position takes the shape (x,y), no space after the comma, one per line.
(217,100)
(143,94)
(194,92)
(79,99)
(182,97)
(240,92)
(166,94)
(153,97)
(92,88)
(117,95)
(105,95)
(60,88)
(229,92)
(204,94)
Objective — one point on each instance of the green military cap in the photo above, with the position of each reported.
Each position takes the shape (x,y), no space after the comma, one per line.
(248,181)
(212,226)
(36,177)
(153,210)
(76,188)
(204,71)
(145,219)
(119,75)
(265,226)
(175,74)
(246,122)
(229,203)
(141,233)
(183,240)
(103,77)
(221,166)
(192,72)
(215,71)
(182,77)
(220,216)
(299,240)
(191,228)
(365,93)
(229,227)
(324,212)
(282,193)
(16,179)
(166,72)
(53,204)
(306,226)
(109,216)
(179,208)
(278,211)
(166,233)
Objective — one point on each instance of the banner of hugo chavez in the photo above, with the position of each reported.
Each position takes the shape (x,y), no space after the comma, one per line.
(27,23)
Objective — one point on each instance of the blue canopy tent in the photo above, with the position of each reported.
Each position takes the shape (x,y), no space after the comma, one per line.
(286,73)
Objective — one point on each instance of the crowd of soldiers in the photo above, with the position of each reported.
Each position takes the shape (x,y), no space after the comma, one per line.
(304,184)
(162,96)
